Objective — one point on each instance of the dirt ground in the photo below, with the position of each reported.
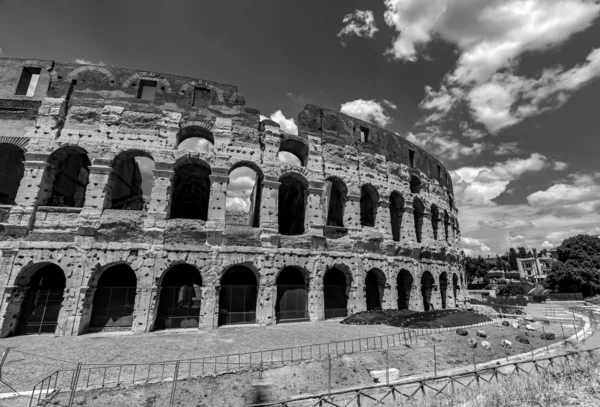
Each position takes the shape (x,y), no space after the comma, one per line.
(450,351)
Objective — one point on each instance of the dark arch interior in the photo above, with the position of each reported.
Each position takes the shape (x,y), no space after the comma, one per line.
(455,288)
(415,184)
(70,176)
(114,299)
(396,212)
(237,300)
(297,148)
(127,192)
(292,205)
(368,205)
(292,296)
(374,288)
(337,201)
(335,291)
(42,302)
(418,213)
(427,283)
(405,282)
(180,298)
(446,224)
(191,192)
(195,131)
(11,172)
(435,219)
(443,288)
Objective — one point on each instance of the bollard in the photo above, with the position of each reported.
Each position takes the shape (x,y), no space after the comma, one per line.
(329,377)
(4,356)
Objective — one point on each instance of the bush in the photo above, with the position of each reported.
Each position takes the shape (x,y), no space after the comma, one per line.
(511,289)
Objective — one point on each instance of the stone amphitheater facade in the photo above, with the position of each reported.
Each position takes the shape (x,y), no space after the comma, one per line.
(365,221)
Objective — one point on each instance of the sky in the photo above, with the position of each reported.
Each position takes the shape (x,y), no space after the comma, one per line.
(504,92)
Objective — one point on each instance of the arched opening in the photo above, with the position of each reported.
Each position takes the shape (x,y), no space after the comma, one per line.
(427,283)
(443,288)
(195,139)
(243,196)
(292,204)
(42,302)
(418,214)
(446,224)
(396,212)
(435,220)
(455,289)
(67,176)
(335,290)
(11,172)
(450,200)
(180,298)
(131,181)
(368,205)
(114,299)
(405,283)
(374,289)
(190,191)
(338,192)
(292,296)
(293,152)
(415,184)
(237,300)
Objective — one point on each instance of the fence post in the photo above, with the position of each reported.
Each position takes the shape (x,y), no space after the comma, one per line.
(575,329)
(74,384)
(387,367)
(4,356)
(172,402)
(434,361)
(545,338)
(329,375)
(563,330)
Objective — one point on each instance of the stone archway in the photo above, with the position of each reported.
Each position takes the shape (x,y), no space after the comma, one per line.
(405,283)
(374,289)
(180,298)
(238,296)
(443,288)
(292,296)
(427,283)
(114,299)
(336,289)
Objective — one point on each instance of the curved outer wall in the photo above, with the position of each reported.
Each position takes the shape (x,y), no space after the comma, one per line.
(98,109)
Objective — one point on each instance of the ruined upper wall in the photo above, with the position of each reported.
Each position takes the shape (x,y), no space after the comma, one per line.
(341,130)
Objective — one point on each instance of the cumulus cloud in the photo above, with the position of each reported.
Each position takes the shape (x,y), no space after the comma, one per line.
(474,247)
(83,61)
(239,190)
(547,245)
(491,36)
(360,23)
(287,125)
(510,148)
(436,142)
(560,166)
(368,110)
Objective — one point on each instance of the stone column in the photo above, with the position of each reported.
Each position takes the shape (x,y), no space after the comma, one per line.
(21,217)
(352,213)
(153,304)
(95,199)
(145,299)
(392,297)
(383,221)
(13,299)
(218,198)
(265,306)
(161,191)
(209,308)
(427,230)
(407,230)
(316,300)
(269,205)
(314,211)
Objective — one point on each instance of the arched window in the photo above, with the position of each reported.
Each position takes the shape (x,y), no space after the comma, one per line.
(418,213)
(427,283)
(435,220)
(292,295)
(455,288)
(244,196)
(396,213)
(374,289)
(292,204)
(415,184)
(114,299)
(293,151)
(337,201)
(195,139)
(369,197)
(190,190)
(405,283)
(450,200)
(180,298)
(131,181)
(66,179)
(237,299)
(446,224)
(336,288)
(11,172)
(43,300)
(443,288)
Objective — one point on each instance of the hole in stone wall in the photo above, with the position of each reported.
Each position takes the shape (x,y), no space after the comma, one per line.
(335,292)
(405,283)
(427,283)
(147,90)
(415,184)
(337,201)
(292,296)
(364,134)
(411,157)
(293,152)
(446,224)
(28,82)
(418,213)
(455,288)
(132,180)
(368,205)
(443,288)
(396,213)
(11,172)
(292,204)
(68,174)
(190,191)
(374,289)
(180,298)
(243,197)
(202,96)
(114,299)
(435,220)
(238,295)
(286,158)
(195,139)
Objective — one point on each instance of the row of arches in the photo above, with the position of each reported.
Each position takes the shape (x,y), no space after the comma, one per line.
(114,292)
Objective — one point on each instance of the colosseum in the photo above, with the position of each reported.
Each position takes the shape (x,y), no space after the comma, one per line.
(114,216)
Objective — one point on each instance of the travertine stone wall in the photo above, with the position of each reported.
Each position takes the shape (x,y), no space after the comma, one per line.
(95,110)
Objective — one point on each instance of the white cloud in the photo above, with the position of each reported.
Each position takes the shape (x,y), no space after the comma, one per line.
(83,61)
(368,110)
(582,190)
(471,133)
(491,36)
(547,245)
(510,148)
(360,23)
(239,190)
(474,247)
(444,146)
(391,105)
(287,125)
(560,166)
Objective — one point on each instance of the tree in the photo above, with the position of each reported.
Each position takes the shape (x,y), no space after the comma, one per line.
(578,266)
(511,289)
(512,259)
